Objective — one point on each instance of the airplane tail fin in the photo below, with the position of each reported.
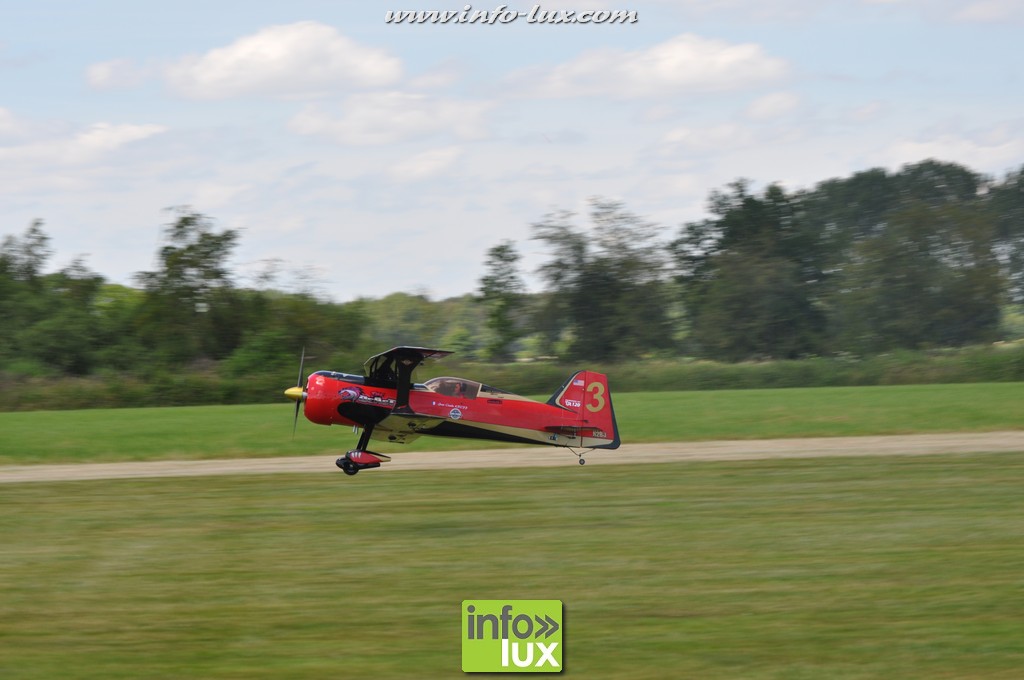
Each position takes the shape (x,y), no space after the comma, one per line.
(588,404)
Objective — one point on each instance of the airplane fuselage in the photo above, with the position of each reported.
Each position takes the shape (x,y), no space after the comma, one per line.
(475,412)
(390,407)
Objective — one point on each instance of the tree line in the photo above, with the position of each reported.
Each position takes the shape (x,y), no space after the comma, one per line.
(928,256)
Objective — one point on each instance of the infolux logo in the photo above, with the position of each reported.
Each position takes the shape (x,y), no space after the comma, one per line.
(512,636)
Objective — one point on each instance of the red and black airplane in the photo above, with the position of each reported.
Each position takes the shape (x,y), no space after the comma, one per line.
(388,406)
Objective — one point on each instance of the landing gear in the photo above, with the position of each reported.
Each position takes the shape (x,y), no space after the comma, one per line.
(580,456)
(347,466)
(359,458)
(356,460)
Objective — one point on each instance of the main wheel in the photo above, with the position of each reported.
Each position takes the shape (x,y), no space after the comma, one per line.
(350,470)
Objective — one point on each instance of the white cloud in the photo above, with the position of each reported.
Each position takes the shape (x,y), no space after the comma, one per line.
(388,117)
(867,112)
(15,129)
(116,73)
(211,195)
(990,10)
(773,105)
(713,138)
(993,150)
(426,165)
(685,63)
(300,59)
(440,76)
(583,5)
(778,10)
(9,125)
(86,146)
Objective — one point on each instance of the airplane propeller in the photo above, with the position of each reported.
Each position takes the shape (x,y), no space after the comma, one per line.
(297,393)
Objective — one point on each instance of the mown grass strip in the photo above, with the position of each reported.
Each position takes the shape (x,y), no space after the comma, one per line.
(265,430)
(851,568)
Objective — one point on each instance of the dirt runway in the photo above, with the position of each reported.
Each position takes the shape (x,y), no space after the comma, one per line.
(826,447)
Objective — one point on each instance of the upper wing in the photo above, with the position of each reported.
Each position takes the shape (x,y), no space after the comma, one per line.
(386,364)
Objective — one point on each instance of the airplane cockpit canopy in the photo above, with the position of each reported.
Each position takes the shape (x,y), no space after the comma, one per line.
(454,387)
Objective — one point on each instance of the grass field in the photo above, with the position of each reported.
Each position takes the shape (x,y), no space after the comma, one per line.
(265,430)
(839,569)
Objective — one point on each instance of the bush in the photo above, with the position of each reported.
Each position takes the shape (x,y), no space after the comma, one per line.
(160,387)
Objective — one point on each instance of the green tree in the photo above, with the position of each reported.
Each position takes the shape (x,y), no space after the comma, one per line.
(849,209)
(756,307)
(53,324)
(405,319)
(189,307)
(1006,200)
(501,291)
(931,278)
(607,289)
(874,261)
(70,337)
(24,301)
(753,277)
(118,346)
(23,258)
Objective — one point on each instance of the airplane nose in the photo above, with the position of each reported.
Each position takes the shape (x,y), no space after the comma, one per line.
(295,393)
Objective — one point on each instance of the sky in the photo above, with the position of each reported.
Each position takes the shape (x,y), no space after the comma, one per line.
(359,157)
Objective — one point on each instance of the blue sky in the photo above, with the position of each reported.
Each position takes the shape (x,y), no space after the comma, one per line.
(360,158)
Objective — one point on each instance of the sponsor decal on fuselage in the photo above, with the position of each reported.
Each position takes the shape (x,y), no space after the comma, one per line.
(357,395)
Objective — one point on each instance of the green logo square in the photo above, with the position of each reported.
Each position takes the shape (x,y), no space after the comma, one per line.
(512,636)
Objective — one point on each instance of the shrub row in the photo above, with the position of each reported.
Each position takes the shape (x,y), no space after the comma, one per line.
(985,364)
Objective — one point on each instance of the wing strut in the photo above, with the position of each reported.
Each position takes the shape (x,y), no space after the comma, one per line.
(364,437)
(396,365)
(405,367)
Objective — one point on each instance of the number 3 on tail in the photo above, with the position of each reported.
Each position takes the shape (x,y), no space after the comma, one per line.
(596,391)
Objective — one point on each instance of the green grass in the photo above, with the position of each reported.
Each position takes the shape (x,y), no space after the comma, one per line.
(840,569)
(264,430)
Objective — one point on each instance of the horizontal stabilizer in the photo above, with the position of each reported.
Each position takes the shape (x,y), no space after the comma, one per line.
(576,431)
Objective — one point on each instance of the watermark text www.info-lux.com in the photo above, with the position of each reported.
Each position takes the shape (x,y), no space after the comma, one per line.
(502,14)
